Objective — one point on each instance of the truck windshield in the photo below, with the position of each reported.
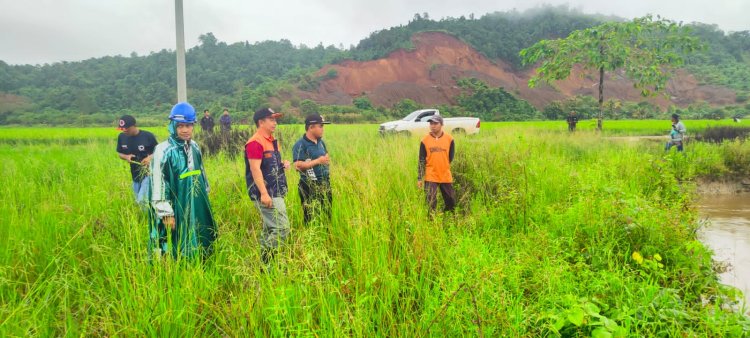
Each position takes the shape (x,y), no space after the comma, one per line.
(424,114)
(412,116)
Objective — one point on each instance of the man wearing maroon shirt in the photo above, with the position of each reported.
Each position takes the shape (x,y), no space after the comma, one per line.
(266,182)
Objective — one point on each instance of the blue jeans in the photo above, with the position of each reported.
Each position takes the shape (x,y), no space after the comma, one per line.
(671,144)
(141,189)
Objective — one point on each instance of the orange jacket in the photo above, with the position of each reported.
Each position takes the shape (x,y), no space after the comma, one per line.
(435,157)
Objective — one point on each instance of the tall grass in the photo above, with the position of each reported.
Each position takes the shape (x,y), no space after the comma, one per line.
(543,244)
(617,127)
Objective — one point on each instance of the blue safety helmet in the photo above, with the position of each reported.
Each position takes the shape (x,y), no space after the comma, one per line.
(182,112)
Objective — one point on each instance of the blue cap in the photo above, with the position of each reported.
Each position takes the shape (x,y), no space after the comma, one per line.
(182,112)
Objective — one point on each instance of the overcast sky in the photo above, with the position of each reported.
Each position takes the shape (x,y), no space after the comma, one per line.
(41,31)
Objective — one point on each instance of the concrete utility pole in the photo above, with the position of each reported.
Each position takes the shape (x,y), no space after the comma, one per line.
(180,28)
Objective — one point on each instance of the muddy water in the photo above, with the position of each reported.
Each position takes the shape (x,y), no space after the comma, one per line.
(728,234)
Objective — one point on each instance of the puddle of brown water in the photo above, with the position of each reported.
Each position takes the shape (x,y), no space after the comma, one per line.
(728,235)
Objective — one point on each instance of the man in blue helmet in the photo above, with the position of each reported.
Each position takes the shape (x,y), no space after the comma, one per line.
(179,192)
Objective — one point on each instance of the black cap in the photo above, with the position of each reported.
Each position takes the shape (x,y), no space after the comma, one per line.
(264,113)
(436,118)
(125,122)
(315,119)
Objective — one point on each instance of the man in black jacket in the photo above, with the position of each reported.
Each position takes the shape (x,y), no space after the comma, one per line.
(207,122)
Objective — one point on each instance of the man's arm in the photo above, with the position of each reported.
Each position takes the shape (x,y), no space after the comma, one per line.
(265,199)
(304,165)
(681,128)
(258,175)
(151,148)
(254,152)
(452,151)
(422,161)
(126,157)
(159,187)
(203,167)
(147,159)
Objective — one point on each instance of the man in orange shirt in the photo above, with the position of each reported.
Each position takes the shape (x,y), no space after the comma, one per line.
(436,153)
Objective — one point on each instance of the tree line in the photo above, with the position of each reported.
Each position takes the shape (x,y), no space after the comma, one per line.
(243,76)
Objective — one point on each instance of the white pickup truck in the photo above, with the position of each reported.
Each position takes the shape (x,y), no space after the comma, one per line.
(416,123)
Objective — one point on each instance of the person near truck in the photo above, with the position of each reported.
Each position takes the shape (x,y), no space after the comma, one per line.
(436,152)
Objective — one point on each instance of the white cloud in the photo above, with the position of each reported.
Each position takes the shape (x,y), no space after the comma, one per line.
(40,31)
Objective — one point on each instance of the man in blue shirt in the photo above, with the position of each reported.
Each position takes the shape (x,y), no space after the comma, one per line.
(226,122)
(310,157)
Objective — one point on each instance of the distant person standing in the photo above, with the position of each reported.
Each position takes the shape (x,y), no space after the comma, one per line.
(436,152)
(207,122)
(136,147)
(266,182)
(225,121)
(677,134)
(572,121)
(310,158)
(180,191)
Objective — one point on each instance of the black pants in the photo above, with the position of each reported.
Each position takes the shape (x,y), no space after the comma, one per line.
(446,189)
(571,127)
(316,198)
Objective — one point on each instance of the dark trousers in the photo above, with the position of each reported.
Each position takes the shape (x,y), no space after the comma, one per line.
(446,189)
(671,144)
(571,127)
(316,198)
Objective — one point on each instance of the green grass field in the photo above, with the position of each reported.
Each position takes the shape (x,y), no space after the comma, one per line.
(556,234)
(611,128)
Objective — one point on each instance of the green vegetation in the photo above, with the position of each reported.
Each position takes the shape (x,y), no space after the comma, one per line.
(498,35)
(493,104)
(556,234)
(615,128)
(647,50)
(725,61)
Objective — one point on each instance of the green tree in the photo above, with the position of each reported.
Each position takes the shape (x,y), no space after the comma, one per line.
(363,102)
(208,40)
(405,106)
(309,107)
(645,48)
(493,103)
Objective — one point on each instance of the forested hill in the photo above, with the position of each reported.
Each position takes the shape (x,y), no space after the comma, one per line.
(243,76)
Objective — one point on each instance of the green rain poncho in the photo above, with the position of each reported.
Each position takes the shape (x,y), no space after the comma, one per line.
(180,189)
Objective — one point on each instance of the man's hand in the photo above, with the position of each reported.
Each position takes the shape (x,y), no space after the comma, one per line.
(266,200)
(146,160)
(325,159)
(168,221)
(420,184)
(286,164)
